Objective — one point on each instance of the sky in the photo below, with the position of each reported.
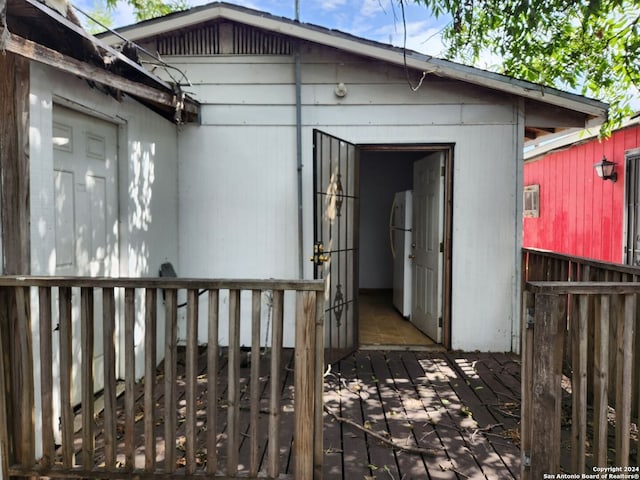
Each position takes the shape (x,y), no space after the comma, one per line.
(379,20)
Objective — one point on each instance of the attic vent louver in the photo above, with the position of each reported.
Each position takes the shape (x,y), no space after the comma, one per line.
(198,41)
(224,38)
(250,41)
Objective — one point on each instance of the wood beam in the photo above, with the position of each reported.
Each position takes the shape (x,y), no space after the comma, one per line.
(47,56)
(14,164)
(15,339)
(531,133)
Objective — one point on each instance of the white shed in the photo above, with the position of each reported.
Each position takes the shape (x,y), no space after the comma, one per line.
(303,137)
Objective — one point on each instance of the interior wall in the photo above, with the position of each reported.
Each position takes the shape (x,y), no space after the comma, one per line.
(381,175)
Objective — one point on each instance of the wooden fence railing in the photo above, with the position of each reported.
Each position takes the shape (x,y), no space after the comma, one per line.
(545,266)
(213,420)
(553,267)
(581,322)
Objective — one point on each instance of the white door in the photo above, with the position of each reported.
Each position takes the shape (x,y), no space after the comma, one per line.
(86,238)
(428,238)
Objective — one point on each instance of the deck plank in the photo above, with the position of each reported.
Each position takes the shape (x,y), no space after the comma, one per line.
(425,419)
(375,399)
(490,408)
(391,382)
(462,411)
(445,411)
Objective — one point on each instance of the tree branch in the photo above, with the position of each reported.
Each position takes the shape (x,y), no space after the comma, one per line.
(430,452)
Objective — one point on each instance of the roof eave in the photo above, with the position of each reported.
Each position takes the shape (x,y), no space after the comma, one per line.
(570,138)
(348,43)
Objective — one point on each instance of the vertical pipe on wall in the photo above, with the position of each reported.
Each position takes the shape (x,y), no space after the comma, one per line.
(298,79)
(519,189)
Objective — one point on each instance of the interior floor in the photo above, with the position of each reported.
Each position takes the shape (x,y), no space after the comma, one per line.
(382,325)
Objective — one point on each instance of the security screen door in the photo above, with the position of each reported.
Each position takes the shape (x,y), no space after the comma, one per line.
(335,253)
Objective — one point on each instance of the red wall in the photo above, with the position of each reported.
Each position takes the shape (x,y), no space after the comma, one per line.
(580,214)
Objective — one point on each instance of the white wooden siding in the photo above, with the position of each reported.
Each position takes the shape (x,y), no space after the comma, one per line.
(348,115)
(323,94)
(238,205)
(238,199)
(238,210)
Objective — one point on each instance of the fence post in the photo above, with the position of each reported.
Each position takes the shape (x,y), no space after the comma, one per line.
(579,342)
(624,382)
(526,382)
(5,399)
(546,398)
(22,377)
(304,383)
(319,386)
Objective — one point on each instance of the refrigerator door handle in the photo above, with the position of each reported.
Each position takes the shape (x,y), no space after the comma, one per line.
(393,250)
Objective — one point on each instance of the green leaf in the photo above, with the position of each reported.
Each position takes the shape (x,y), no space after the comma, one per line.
(592,46)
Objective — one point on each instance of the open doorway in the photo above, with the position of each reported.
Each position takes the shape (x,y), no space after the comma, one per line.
(404,271)
(354,191)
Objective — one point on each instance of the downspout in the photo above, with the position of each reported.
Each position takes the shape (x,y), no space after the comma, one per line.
(298,80)
(516,325)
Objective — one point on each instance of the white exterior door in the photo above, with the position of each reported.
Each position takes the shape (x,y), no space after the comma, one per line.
(86,206)
(428,238)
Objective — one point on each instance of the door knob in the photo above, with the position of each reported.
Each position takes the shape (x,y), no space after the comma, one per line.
(319,257)
(412,257)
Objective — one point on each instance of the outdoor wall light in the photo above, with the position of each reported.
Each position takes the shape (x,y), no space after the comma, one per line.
(340,90)
(606,170)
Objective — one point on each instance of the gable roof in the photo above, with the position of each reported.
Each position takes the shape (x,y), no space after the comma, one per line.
(531,92)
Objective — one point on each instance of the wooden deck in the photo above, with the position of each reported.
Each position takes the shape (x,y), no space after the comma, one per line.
(461,409)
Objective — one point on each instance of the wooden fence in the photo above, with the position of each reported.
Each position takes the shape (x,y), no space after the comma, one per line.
(580,336)
(148,303)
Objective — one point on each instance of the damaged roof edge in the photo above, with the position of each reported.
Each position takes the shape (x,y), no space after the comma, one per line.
(360,46)
(141,84)
(47,56)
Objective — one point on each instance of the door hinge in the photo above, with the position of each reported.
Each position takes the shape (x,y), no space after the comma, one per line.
(526,460)
(442,171)
(531,317)
(440,322)
(441,247)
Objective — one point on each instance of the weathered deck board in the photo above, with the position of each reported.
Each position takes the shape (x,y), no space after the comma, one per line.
(462,408)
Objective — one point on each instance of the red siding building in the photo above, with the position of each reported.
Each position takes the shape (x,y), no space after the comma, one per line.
(578,213)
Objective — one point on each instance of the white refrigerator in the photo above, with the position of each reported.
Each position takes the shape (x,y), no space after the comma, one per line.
(400,239)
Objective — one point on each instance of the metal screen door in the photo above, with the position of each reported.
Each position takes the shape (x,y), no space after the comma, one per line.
(336,251)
